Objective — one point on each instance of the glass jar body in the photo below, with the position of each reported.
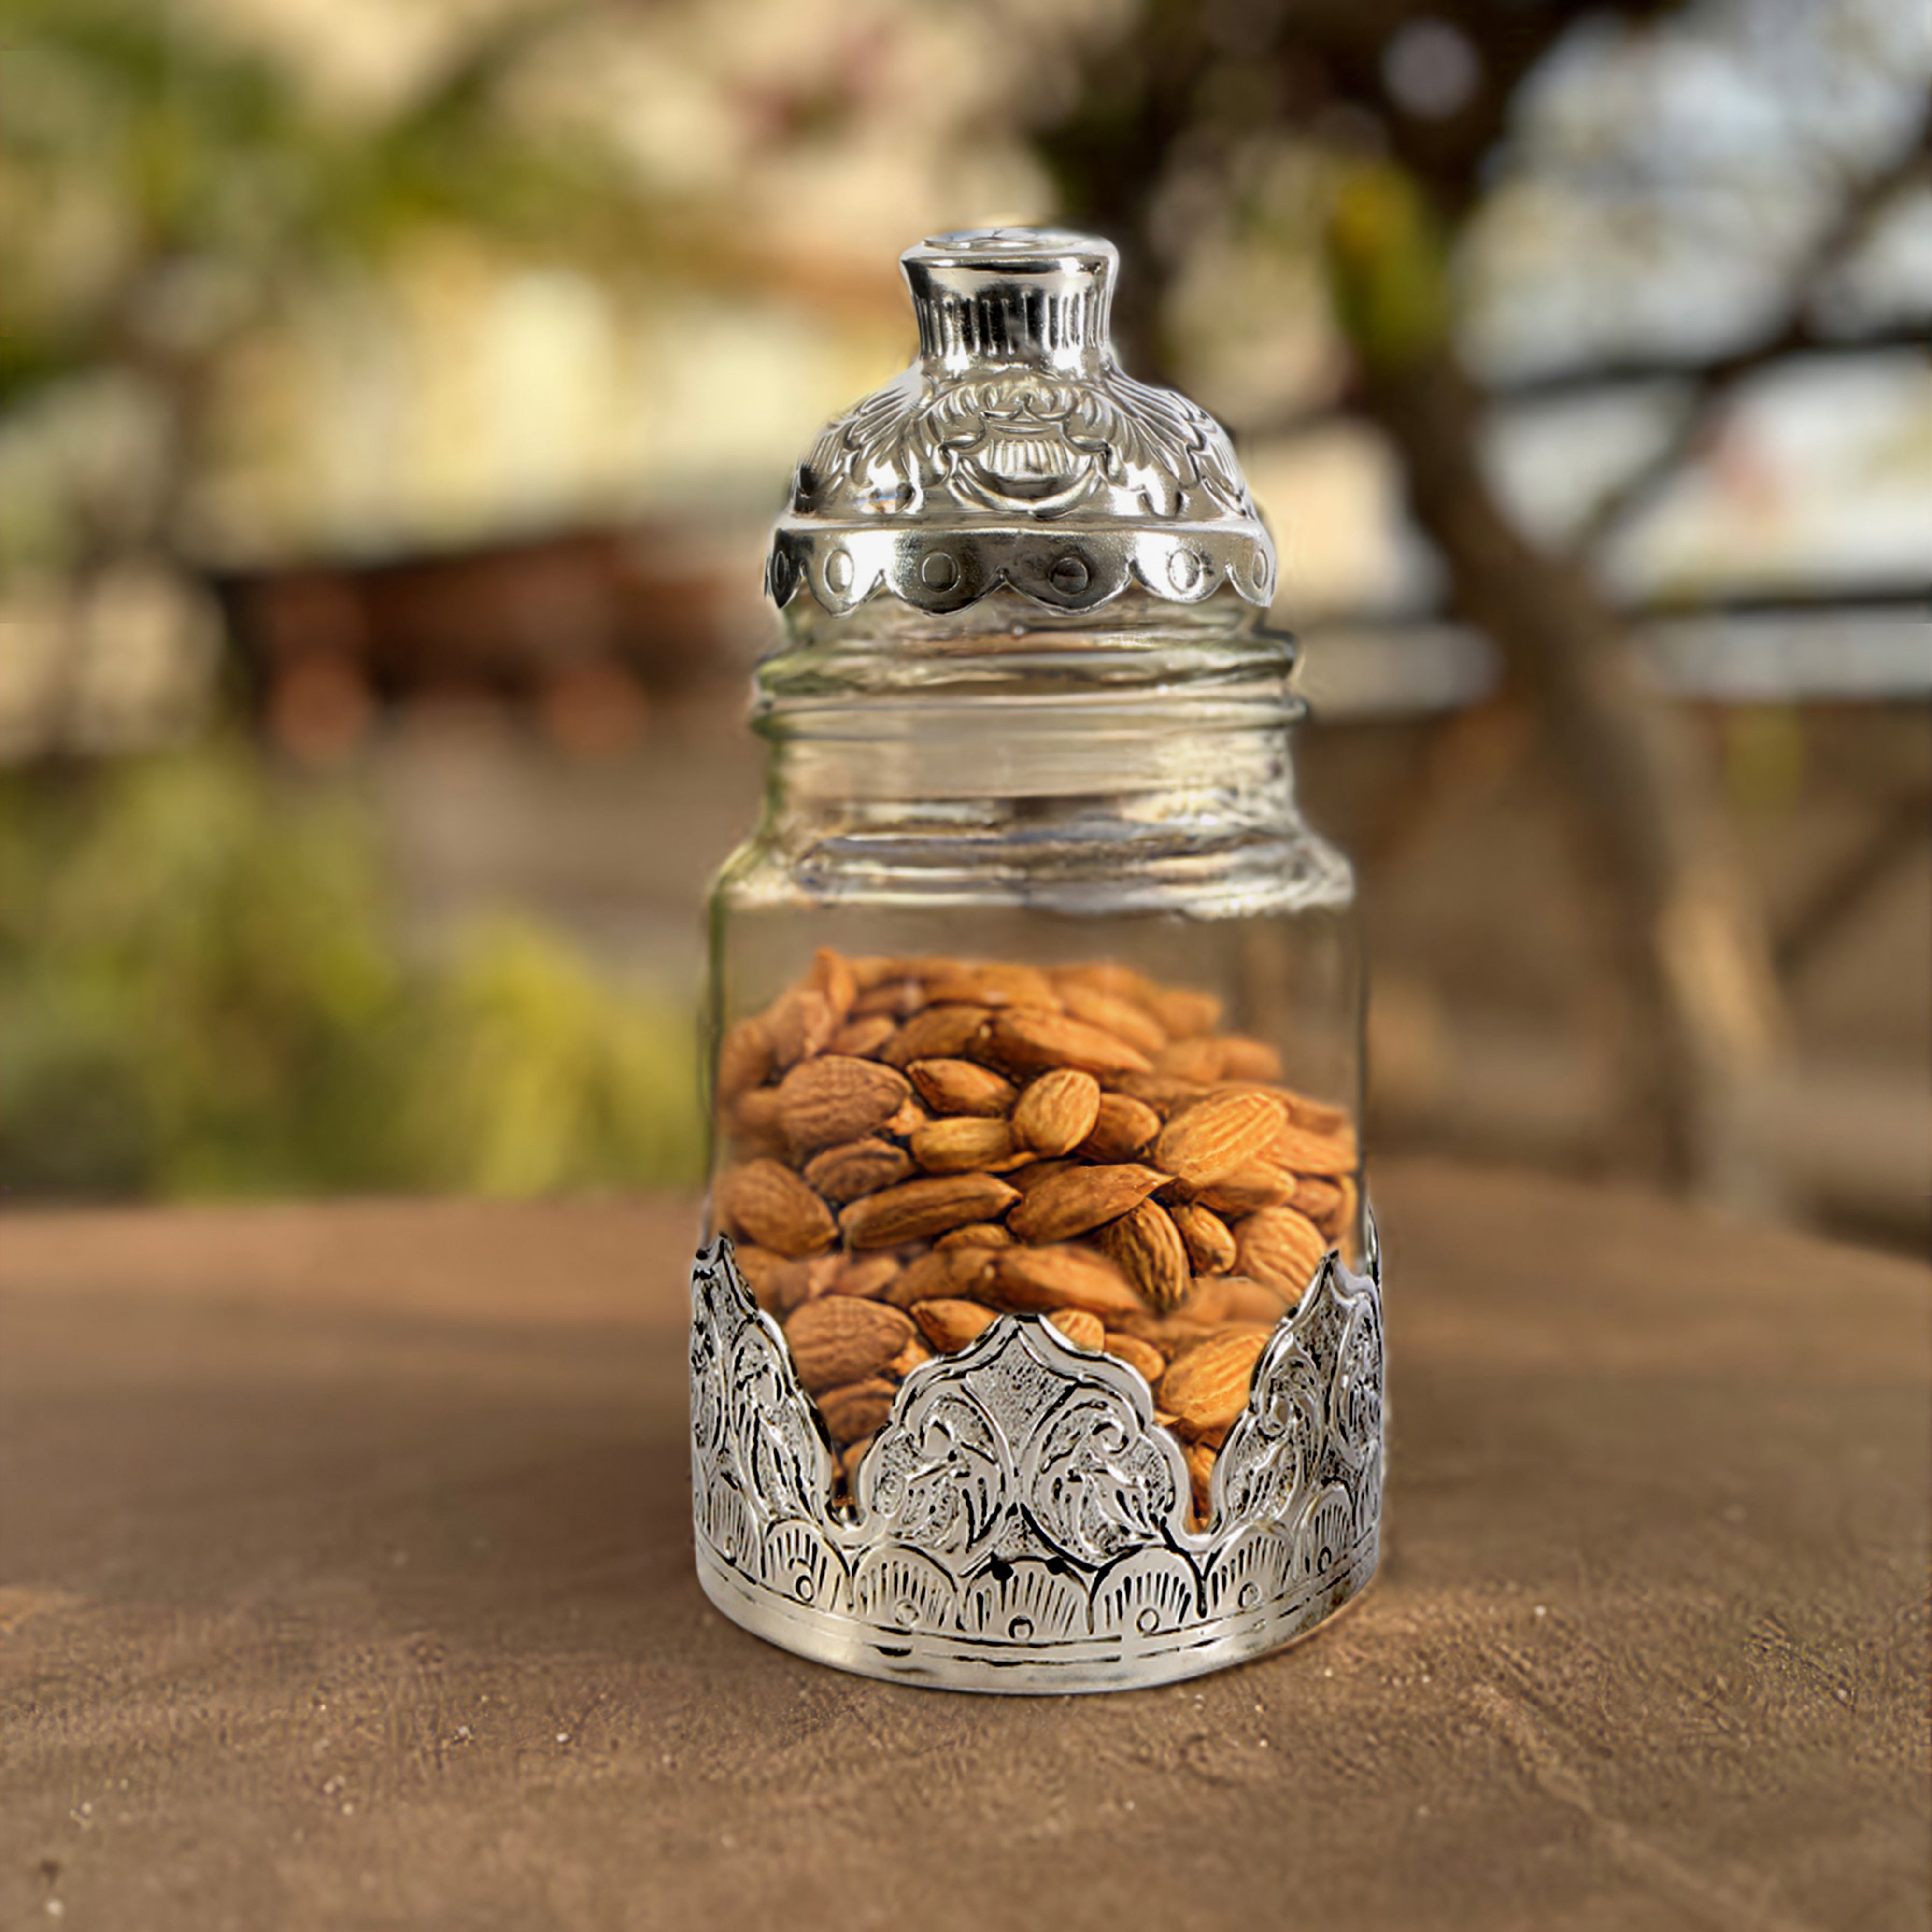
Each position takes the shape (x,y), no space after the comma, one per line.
(1034,993)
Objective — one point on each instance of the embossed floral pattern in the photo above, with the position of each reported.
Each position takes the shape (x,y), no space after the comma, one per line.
(1021,1498)
(1022,442)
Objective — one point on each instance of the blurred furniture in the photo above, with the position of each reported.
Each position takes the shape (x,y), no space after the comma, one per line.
(347,1582)
(583,627)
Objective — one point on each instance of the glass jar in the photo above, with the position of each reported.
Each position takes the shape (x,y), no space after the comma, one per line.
(1030,1350)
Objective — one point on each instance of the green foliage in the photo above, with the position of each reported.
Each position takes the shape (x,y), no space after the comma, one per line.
(1388,266)
(163,184)
(533,1075)
(201,994)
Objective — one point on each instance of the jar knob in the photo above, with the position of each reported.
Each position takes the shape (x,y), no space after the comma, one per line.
(1002,296)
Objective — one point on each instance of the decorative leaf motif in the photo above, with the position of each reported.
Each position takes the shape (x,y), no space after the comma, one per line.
(1265,1464)
(1098,1483)
(941,1475)
(1023,441)
(1160,433)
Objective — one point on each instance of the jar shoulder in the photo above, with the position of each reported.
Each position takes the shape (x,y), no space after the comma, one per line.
(1284,869)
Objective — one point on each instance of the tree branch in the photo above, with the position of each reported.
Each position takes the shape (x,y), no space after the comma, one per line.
(1691,944)
(1898,833)
(1719,379)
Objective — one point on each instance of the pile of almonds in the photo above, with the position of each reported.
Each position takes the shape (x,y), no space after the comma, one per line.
(918,1143)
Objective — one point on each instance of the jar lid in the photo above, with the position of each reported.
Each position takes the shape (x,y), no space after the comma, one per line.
(1016,451)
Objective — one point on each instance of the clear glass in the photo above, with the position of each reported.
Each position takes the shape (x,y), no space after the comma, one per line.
(1033,991)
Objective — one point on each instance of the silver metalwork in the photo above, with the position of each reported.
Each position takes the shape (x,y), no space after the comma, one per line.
(1016,451)
(1020,1519)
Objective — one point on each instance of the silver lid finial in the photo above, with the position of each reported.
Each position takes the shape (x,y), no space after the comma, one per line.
(1012,295)
(1016,451)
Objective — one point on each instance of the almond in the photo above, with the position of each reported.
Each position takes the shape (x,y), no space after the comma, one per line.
(1034,1041)
(1232,1297)
(1146,1246)
(917,1209)
(1261,1183)
(1143,1324)
(1200,1460)
(744,1060)
(1185,1014)
(1211,1246)
(949,1325)
(869,1276)
(1198,1060)
(863,1037)
(937,1033)
(874,969)
(976,1234)
(799,1023)
(834,1097)
(858,1409)
(1026,1180)
(992,985)
(842,1174)
(1112,1014)
(963,1087)
(794,1283)
(1248,1059)
(760,1268)
(1041,1279)
(1173,1335)
(945,1274)
(1080,1198)
(1165,1195)
(1318,1117)
(1280,1247)
(1321,1201)
(895,999)
(1083,1330)
(1057,1111)
(1123,1129)
(836,1339)
(914,1354)
(1208,1388)
(753,1116)
(1215,1136)
(765,1200)
(965,1144)
(1137,1354)
(1166,1093)
(1305,1153)
(832,975)
(1107,976)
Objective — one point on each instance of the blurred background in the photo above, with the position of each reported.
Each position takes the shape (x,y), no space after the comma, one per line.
(394,394)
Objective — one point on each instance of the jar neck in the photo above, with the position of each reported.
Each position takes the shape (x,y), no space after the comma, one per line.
(1146,751)
(1003,701)
(932,758)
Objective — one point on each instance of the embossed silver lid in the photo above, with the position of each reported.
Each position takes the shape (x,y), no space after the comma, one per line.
(1016,451)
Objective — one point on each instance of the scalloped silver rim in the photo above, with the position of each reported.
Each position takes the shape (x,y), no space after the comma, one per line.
(1009,1669)
(1069,569)
(1020,1526)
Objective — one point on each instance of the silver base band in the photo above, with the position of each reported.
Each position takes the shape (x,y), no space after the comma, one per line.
(1018,1669)
(1020,1524)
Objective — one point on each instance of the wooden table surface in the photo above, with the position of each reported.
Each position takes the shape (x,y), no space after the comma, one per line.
(345,1581)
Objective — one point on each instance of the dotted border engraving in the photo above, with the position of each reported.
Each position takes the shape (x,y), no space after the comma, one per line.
(1020,1519)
